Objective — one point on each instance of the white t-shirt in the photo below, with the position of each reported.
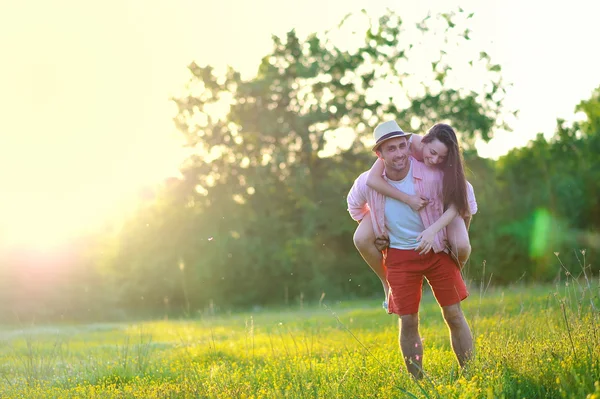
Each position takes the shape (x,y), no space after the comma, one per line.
(402,223)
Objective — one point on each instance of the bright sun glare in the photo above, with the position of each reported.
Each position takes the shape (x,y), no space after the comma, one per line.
(68,202)
(46,224)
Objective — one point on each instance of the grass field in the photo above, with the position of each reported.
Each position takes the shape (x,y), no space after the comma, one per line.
(531,342)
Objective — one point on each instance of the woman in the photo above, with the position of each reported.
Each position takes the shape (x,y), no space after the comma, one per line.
(439,148)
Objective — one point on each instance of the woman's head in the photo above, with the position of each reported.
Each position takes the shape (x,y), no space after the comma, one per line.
(440,145)
(440,149)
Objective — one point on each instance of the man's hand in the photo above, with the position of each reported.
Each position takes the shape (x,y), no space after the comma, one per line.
(416,202)
(382,243)
(426,241)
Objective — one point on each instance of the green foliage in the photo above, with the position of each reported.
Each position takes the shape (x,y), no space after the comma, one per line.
(266,184)
(540,200)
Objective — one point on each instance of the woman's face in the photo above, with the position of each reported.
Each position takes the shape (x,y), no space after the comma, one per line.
(434,153)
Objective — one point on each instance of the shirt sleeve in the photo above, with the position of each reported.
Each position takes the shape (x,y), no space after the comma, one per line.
(357,199)
(471,199)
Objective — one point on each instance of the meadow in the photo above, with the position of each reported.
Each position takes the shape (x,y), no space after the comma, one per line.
(530,342)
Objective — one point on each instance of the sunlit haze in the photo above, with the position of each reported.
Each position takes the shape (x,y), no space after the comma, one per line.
(86,119)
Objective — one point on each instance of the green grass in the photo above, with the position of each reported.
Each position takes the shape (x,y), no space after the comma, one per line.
(531,342)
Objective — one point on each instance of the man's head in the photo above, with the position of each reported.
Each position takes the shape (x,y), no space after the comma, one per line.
(391,145)
(394,153)
(386,131)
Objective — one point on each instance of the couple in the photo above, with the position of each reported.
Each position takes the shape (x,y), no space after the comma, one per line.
(416,202)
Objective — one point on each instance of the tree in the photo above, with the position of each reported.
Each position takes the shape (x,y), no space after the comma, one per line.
(262,167)
(542,200)
(263,215)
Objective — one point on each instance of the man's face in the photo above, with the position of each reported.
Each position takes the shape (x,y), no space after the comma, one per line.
(394,154)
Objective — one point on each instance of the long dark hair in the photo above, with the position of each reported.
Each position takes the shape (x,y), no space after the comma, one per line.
(455,183)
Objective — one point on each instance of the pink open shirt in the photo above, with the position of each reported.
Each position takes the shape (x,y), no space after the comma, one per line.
(428,183)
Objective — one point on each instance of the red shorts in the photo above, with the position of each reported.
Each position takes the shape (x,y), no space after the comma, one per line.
(405,270)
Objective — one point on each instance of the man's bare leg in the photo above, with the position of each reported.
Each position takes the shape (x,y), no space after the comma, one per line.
(411,345)
(460,334)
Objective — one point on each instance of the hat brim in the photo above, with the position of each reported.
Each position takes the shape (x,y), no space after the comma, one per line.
(380,142)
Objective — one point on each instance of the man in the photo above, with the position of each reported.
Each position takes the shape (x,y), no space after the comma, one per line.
(417,244)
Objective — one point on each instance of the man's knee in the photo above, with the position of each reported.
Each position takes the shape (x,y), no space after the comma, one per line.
(453,315)
(409,324)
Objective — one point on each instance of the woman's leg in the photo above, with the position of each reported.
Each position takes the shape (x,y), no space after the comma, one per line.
(458,237)
(364,240)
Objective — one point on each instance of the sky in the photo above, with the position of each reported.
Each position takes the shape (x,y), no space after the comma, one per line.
(85,115)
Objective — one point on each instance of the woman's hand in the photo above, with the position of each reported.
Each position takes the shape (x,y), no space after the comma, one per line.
(426,241)
(417,202)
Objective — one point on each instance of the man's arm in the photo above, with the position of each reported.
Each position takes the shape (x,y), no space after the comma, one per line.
(357,199)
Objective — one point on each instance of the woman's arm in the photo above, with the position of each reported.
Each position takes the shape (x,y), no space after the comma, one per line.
(428,235)
(444,220)
(376,181)
(416,147)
